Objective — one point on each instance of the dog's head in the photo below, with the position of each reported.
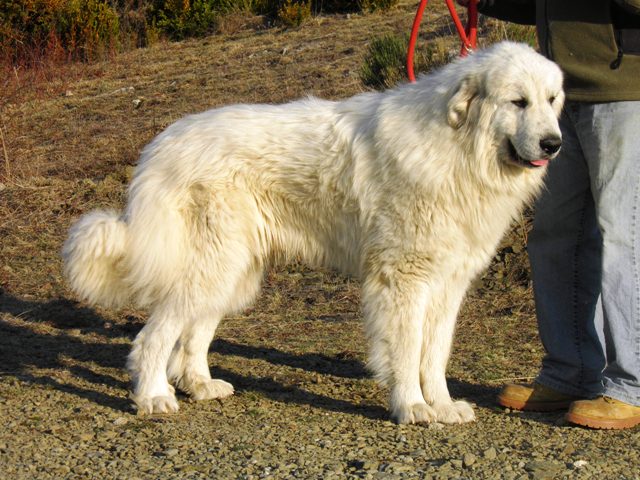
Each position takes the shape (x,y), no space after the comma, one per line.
(515,96)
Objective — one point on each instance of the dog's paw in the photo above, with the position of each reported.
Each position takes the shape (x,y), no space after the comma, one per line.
(416,413)
(209,389)
(160,404)
(454,412)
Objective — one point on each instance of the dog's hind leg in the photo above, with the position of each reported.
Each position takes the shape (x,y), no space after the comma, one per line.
(147,362)
(394,310)
(188,367)
(438,335)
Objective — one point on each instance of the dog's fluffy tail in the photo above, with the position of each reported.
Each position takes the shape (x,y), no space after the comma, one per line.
(93,258)
(139,256)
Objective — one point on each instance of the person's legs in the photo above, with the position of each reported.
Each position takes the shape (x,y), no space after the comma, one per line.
(565,255)
(610,135)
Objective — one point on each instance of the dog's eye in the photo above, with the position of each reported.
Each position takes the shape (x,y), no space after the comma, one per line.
(552,99)
(520,103)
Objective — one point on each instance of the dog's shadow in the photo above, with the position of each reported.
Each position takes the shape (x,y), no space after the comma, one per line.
(37,338)
(30,349)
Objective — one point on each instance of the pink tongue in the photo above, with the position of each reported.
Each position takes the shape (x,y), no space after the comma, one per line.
(540,163)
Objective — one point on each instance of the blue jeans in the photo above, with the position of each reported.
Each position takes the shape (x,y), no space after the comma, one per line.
(585,255)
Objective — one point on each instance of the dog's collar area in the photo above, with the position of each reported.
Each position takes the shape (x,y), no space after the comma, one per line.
(518,160)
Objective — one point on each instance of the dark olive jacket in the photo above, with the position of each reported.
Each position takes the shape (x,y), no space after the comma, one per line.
(595,42)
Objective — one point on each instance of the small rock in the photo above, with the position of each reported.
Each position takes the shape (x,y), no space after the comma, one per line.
(418,453)
(395,467)
(61,470)
(109,435)
(171,452)
(468,459)
(137,102)
(490,453)
(333,467)
(85,437)
(542,469)
(580,464)
(120,421)
(453,440)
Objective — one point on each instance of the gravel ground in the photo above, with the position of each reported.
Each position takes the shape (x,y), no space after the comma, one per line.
(306,409)
(305,406)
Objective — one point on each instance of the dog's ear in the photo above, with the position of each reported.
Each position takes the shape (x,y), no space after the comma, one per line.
(458,104)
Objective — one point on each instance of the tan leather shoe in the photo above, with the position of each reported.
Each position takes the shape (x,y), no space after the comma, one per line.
(603,412)
(534,397)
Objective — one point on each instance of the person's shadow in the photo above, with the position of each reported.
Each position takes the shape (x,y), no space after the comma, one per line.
(30,346)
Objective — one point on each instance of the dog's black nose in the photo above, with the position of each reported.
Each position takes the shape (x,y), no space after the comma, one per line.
(550,145)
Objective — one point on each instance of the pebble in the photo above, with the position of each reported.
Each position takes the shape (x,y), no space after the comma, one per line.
(85,437)
(396,467)
(542,469)
(580,464)
(468,459)
(490,453)
(120,421)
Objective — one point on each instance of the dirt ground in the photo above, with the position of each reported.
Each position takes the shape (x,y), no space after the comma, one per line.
(305,406)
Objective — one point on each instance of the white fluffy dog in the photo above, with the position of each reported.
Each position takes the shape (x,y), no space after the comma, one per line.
(410,190)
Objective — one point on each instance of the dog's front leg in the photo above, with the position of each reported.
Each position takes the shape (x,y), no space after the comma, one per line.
(440,318)
(394,306)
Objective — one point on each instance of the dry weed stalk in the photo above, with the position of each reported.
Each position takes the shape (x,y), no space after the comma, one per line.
(7,168)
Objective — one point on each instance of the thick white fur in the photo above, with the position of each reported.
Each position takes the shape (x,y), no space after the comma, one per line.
(410,190)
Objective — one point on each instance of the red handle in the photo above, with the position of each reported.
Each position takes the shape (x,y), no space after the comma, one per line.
(468,35)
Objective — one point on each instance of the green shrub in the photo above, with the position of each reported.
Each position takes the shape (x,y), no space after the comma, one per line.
(385,63)
(180,19)
(80,29)
(294,13)
(89,28)
(244,6)
(31,30)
